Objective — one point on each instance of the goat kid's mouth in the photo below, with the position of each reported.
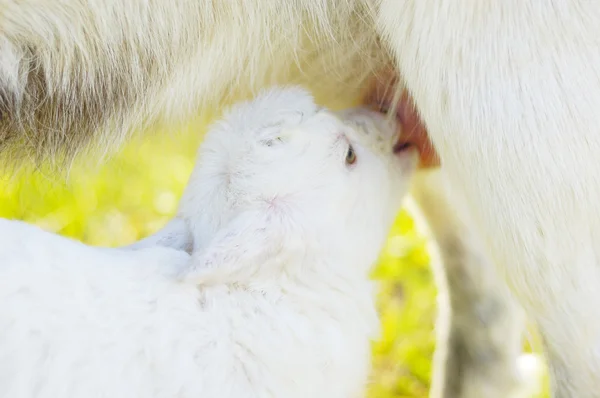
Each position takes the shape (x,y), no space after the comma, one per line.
(412,134)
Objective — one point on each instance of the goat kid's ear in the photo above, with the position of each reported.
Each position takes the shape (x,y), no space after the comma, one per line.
(253,242)
(176,235)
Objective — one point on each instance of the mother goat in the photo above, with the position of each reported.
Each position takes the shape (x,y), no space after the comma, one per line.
(509,91)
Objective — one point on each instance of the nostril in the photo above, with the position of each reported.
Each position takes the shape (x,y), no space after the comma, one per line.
(401,147)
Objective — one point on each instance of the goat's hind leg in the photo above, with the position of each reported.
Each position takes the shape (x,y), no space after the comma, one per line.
(479,325)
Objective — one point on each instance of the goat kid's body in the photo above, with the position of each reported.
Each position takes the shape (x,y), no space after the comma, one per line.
(114,323)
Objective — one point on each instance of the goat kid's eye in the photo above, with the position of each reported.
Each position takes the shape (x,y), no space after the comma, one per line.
(350,156)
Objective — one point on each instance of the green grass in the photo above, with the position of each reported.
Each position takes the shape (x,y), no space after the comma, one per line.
(136,192)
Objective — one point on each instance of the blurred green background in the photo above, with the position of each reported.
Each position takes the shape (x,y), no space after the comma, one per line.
(137,191)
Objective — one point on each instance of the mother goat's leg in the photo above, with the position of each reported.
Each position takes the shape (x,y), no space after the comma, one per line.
(510,92)
(479,325)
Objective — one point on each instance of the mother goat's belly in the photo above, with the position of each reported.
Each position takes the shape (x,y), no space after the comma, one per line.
(511,99)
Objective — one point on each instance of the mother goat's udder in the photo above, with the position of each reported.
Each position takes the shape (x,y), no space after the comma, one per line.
(412,131)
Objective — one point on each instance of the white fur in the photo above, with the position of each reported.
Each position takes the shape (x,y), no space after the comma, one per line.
(510,92)
(275,300)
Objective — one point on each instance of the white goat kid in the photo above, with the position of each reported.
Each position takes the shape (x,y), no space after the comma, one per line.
(285,213)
